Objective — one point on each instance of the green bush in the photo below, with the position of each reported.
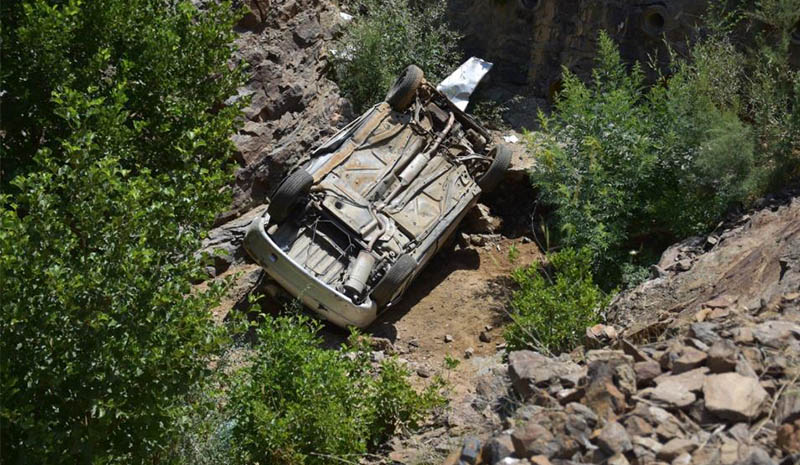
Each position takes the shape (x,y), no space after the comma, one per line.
(296,403)
(554,305)
(633,167)
(769,85)
(114,149)
(387,37)
(629,167)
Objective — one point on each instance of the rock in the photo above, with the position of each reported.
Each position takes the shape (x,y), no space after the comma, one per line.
(683,459)
(448,338)
(637,426)
(719,313)
(709,454)
(532,439)
(513,461)
(539,460)
(585,418)
(613,439)
(608,355)
(646,372)
(423,372)
(469,352)
(620,363)
(602,394)
(667,425)
(528,369)
(691,380)
(645,446)
(600,335)
(729,452)
(480,220)
(705,332)
(485,336)
(566,396)
(498,448)
(721,301)
(688,359)
(697,344)
(743,335)
(684,264)
(633,351)
(757,457)
(477,240)
(617,459)
(722,356)
(788,407)
(776,333)
(674,448)
(744,366)
(733,397)
(788,437)
(670,394)
(383,344)
(224,243)
(470,451)
(702,314)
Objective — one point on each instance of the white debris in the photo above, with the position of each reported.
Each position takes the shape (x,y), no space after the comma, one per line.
(512,139)
(345,16)
(459,86)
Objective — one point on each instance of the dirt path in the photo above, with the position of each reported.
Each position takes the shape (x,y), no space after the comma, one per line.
(461,293)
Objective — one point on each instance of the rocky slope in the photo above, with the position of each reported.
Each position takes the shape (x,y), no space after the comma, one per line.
(711,379)
(293,104)
(698,365)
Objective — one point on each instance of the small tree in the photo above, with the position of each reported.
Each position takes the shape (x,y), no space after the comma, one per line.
(387,37)
(554,304)
(295,402)
(114,148)
(629,167)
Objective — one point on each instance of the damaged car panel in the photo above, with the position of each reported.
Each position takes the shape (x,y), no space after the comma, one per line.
(349,231)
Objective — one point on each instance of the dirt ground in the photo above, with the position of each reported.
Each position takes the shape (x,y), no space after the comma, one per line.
(461,293)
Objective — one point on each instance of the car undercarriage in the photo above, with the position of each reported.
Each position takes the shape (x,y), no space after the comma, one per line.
(378,199)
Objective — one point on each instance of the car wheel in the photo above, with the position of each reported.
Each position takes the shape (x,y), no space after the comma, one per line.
(497,170)
(402,92)
(281,203)
(393,279)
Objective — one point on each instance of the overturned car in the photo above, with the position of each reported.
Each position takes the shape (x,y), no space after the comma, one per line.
(349,231)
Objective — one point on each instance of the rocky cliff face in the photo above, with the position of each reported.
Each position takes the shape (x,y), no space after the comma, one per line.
(531,40)
(293,104)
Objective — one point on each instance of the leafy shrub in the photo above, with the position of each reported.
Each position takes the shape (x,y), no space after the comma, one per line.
(114,145)
(387,37)
(627,166)
(297,403)
(554,305)
(769,86)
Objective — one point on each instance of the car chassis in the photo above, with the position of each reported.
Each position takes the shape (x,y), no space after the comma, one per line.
(348,232)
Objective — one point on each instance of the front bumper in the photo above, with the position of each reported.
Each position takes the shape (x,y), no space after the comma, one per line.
(323,300)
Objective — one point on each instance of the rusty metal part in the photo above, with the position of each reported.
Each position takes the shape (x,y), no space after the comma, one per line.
(350,145)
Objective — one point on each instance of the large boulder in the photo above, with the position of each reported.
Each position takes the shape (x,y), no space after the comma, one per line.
(529,369)
(733,397)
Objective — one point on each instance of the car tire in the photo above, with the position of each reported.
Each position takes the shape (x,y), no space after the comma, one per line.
(393,279)
(402,92)
(497,170)
(291,189)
